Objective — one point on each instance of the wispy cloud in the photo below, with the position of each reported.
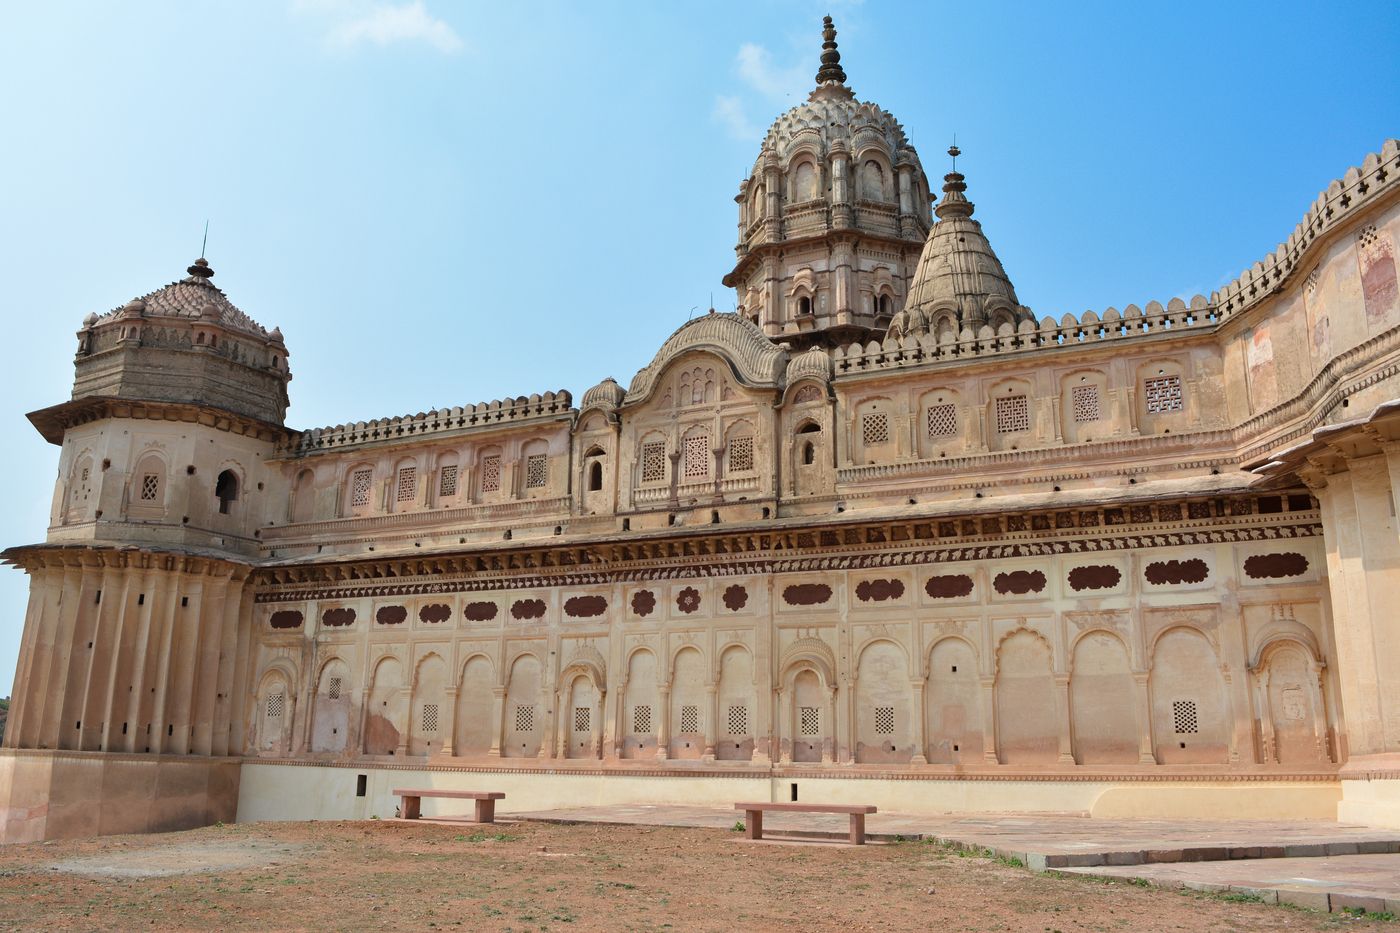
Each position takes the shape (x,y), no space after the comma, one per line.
(354,23)
(763,79)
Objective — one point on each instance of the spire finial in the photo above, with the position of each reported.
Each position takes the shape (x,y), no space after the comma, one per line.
(955,202)
(831,59)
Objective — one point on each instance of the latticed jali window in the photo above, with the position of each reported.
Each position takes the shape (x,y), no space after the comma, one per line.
(333,688)
(360,482)
(407,485)
(276,705)
(875,429)
(1184,717)
(583,718)
(653,462)
(641,720)
(1013,414)
(697,456)
(942,420)
(536,471)
(740,454)
(430,718)
(150,487)
(690,719)
(884,720)
(1085,402)
(447,480)
(491,473)
(738,720)
(524,719)
(809,720)
(1163,394)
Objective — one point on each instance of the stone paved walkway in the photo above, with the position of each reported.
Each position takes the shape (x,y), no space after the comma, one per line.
(1310,863)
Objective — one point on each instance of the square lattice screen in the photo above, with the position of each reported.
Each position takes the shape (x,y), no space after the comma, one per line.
(875,429)
(447,481)
(360,482)
(690,719)
(150,487)
(741,454)
(430,718)
(276,704)
(490,473)
(697,457)
(1013,414)
(738,720)
(653,462)
(884,720)
(641,720)
(333,688)
(524,719)
(1163,394)
(583,718)
(809,721)
(942,420)
(536,471)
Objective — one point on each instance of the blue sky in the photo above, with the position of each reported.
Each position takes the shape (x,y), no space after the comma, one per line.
(445,203)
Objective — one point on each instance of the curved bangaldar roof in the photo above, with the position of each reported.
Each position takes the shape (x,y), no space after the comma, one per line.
(755,360)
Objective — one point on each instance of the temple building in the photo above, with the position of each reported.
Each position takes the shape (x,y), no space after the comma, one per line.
(883,534)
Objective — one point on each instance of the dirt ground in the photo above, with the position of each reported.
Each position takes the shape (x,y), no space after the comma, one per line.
(530,876)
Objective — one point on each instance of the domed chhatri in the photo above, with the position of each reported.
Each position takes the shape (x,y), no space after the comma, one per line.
(959,282)
(831,217)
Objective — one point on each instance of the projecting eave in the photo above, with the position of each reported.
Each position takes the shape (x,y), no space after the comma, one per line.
(52,422)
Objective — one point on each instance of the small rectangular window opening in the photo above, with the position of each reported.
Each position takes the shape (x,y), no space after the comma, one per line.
(794,792)
(361,784)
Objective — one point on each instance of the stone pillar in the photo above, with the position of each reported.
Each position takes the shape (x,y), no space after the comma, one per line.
(1269,750)
(786,731)
(1147,754)
(841,215)
(619,722)
(403,699)
(830,742)
(1062,701)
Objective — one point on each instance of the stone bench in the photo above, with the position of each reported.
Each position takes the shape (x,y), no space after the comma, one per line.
(753,816)
(485,802)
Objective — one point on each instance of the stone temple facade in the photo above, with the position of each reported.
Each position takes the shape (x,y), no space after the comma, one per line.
(883,535)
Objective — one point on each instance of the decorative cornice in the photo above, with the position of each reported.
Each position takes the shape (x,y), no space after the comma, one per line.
(51,422)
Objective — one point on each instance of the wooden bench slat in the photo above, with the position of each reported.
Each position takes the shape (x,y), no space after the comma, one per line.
(808,807)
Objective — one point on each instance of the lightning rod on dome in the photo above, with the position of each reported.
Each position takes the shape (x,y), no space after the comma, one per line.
(205,242)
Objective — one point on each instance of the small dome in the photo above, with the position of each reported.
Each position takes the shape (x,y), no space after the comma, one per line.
(958,271)
(606,395)
(814,364)
(192,298)
(90,320)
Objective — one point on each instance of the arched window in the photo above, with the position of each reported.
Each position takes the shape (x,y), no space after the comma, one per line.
(886,306)
(595,476)
(804,187)
(809,453)
(226,490)
(804,305)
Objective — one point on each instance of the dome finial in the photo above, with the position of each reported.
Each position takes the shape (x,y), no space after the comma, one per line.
(200,270)
(831,59)
(954,203)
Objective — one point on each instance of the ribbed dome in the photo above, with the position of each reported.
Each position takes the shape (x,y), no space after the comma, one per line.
(606,395)
(957,271)
(814,364)
(194,298)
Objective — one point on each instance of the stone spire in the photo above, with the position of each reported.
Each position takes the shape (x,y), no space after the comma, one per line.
(831,59)
(954,203)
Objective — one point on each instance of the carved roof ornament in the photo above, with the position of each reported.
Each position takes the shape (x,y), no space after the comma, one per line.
(192,298)
(831,59)
(754,359)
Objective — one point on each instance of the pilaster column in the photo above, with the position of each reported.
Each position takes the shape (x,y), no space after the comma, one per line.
(831,741)
(498,721)
(1143,701)
(920,756)
(1066,726)
(1269,750)
(447,722)
(663,728)
(786,731)
(403,699)
(989,719)
(711,721)
(619,721)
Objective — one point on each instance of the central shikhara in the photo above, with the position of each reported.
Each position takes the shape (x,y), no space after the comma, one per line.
(879,524)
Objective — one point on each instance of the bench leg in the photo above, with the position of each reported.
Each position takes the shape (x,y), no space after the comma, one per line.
(753,824)
(412,808)
(486,811)
(857,829)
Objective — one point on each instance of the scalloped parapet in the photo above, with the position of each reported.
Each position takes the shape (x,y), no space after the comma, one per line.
(441,421)
(1378,176)
(756,360)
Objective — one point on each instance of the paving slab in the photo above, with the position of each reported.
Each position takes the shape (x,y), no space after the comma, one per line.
(1335,883)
